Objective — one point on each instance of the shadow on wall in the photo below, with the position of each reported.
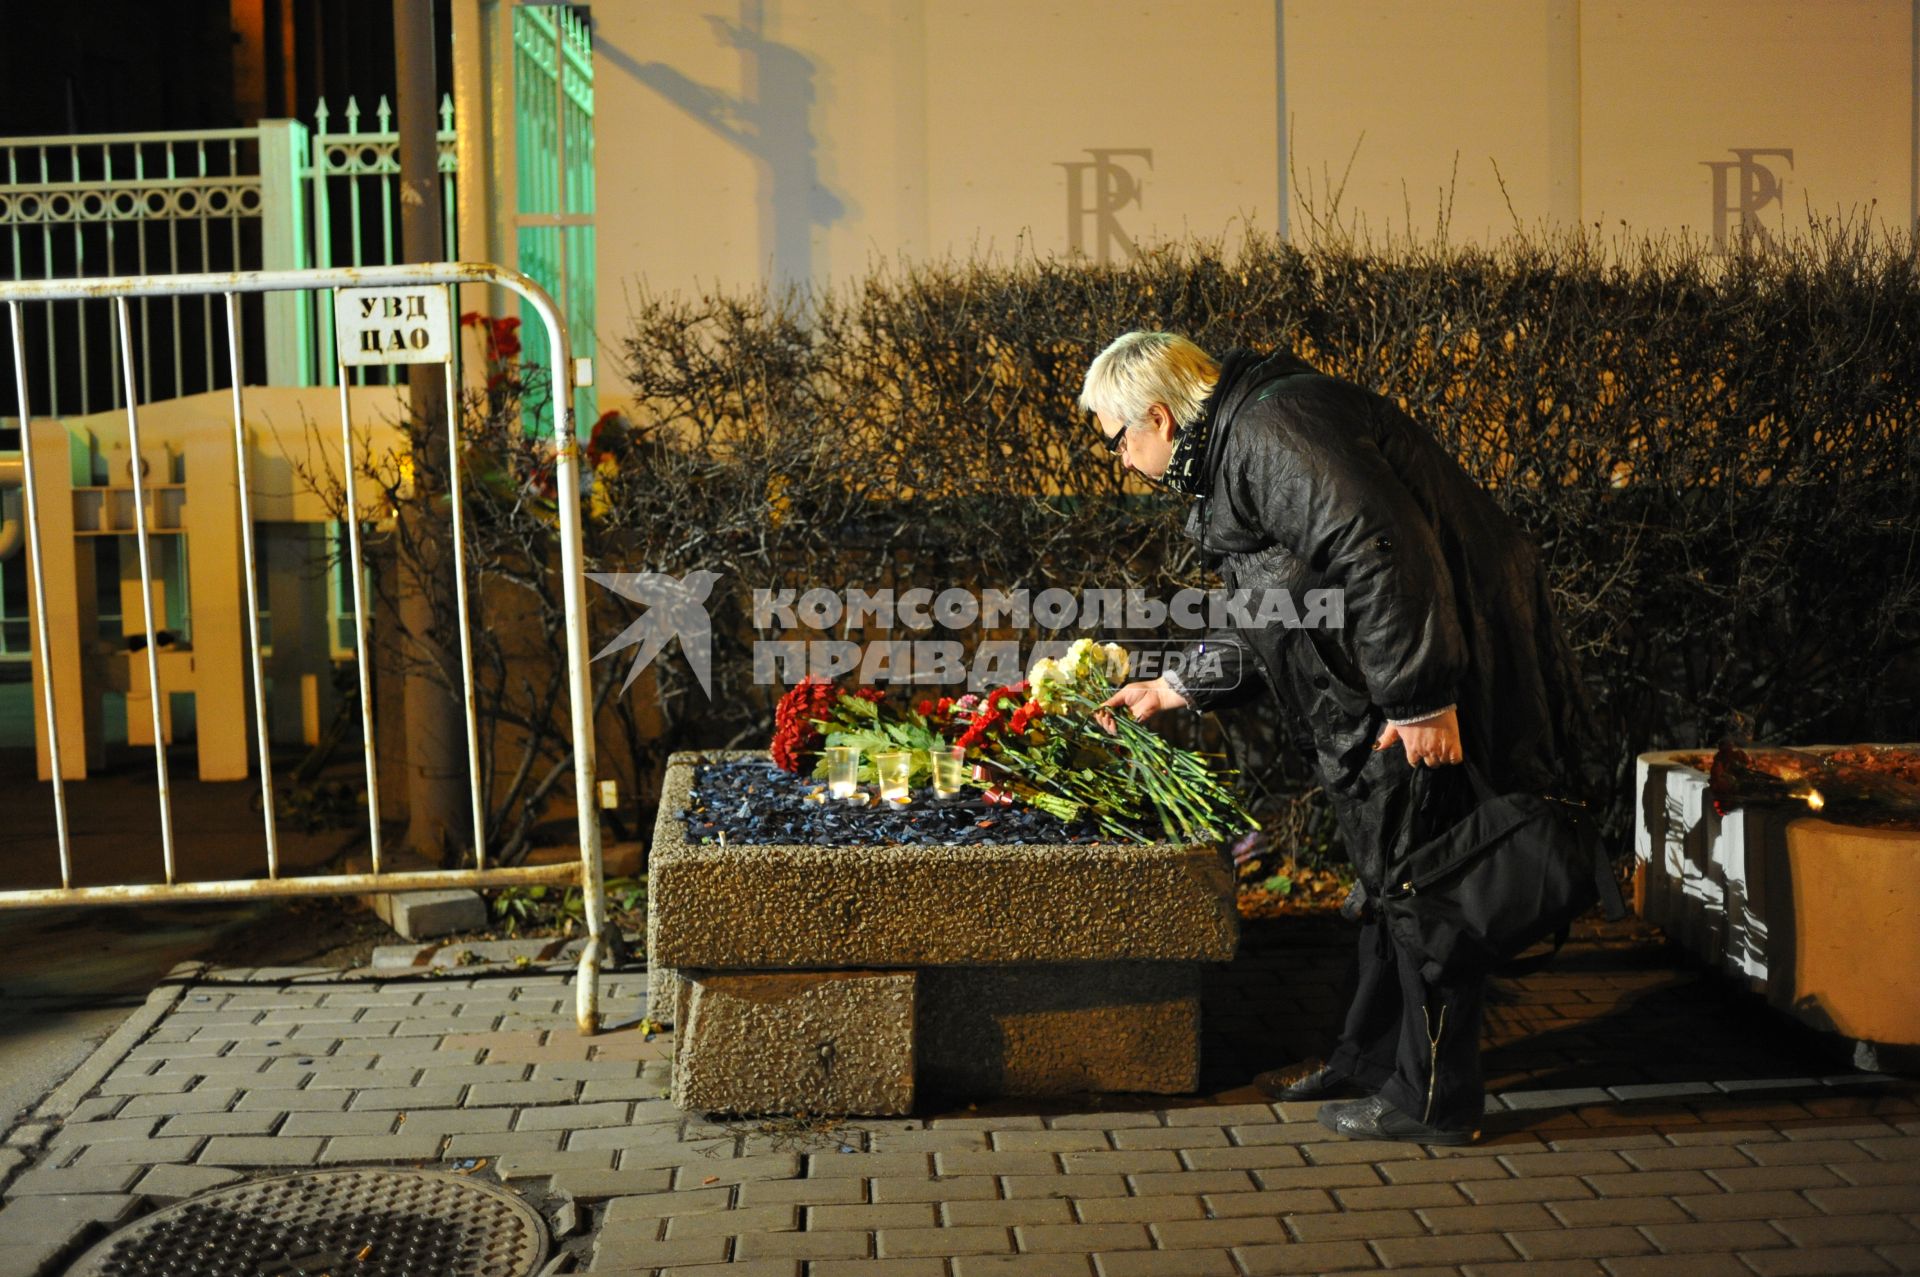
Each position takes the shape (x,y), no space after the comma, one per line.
(770,120)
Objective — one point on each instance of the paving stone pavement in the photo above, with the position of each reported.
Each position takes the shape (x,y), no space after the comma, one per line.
(1647,1117)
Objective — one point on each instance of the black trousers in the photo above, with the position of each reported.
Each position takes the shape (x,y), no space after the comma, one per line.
(1416,1043)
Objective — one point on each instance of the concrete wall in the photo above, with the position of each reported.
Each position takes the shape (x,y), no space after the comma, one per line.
(794,140)
(790,141)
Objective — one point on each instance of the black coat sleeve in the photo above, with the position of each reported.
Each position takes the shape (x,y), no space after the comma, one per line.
(1308,470)
(1219,671)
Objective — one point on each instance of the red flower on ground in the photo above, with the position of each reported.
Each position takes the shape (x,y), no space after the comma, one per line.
(993,711)
(976,733)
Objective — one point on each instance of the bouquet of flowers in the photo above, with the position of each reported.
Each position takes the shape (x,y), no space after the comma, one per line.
(1106,764)
(816,714)
(1044,741)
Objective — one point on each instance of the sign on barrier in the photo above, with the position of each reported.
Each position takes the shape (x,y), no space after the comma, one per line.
(392,326)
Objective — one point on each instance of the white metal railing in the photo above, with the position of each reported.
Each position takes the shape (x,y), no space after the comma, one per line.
(230,288)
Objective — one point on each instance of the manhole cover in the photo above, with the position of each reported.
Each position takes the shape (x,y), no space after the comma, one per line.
(345,1223)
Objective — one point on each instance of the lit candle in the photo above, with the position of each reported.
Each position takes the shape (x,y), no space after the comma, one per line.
(843,770)
(949,771)
(892,770)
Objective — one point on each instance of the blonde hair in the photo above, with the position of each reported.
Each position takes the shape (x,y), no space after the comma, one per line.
(1142,368)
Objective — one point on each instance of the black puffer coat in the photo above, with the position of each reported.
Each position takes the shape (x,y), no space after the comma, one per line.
(1312,482)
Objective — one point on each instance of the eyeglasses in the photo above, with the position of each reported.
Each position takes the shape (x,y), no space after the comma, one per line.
(1113,441)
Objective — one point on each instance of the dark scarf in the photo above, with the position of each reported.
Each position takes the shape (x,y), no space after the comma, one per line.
(1187,471)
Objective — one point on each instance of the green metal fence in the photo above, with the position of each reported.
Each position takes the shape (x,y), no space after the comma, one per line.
(277,196)
(553,150)
(354,175)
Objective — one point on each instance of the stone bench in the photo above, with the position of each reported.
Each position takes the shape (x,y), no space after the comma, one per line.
(819,979)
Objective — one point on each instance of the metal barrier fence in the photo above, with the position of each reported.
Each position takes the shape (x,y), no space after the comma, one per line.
(231,288)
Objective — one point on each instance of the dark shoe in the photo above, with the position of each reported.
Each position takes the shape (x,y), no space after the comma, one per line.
(1330,1113)
(1374,1118)
(1293,1086)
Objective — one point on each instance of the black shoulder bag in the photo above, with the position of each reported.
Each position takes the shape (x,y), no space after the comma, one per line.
(1520,867)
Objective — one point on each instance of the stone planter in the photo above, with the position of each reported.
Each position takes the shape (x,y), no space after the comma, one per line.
(1824,918)
(844,979)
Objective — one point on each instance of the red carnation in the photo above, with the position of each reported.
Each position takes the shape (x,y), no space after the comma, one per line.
(978,732)
(794,733)
(1012,695)
(606,434)
(503,339)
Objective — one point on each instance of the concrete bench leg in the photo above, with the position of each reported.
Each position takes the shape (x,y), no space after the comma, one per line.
(829,1042)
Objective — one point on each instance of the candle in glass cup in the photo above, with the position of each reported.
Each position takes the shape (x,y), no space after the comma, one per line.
(949,771)
(892,770)
(843,770)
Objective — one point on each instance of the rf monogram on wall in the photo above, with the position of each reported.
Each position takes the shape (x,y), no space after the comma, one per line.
(1755,186)
(1098,189)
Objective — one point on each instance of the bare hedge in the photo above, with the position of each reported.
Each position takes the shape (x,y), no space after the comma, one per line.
(1717,453)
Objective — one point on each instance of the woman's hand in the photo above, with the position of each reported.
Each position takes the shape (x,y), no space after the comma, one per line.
(1143,700)
(1434,742)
